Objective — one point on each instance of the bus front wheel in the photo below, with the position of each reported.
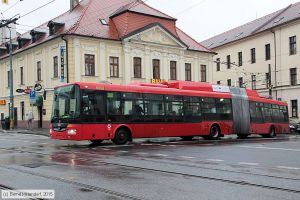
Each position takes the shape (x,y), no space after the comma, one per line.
(121,137)
(215,133)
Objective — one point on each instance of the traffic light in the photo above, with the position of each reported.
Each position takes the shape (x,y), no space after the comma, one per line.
(5,1)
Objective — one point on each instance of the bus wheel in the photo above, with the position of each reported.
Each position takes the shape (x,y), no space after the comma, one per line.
(214,133)
(96,142)
(272,133)
(121,137)
(187,138)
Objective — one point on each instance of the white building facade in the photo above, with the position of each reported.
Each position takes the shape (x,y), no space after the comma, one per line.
(262,55)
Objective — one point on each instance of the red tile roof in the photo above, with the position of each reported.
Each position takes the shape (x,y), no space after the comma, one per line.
(275,19)
(123,17)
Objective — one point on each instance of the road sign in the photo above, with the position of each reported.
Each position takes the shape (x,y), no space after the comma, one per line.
(32,96)
(20,90)
(38,87)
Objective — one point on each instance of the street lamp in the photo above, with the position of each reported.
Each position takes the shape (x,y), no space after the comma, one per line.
(11,82)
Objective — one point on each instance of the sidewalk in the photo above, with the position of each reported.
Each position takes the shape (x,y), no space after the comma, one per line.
(40,131)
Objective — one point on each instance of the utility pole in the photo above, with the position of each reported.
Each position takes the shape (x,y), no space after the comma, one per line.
(270,81)
(11,82)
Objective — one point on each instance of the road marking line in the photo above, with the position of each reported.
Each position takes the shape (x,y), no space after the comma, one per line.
(247,163)
(123,151)
(215,160)
(187,157)
(286,167)
(105,149)
(146,144)
(141,153)
(269,148)
(163,155)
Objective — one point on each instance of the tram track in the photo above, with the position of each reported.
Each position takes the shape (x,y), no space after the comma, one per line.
(74,183)
(95,188)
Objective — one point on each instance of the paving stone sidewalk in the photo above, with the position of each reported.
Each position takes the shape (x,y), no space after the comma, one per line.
(44,132)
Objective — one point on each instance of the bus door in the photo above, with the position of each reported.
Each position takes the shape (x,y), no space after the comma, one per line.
(240,110)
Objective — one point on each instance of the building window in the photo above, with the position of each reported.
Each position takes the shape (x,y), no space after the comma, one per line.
(39,71)
(22,105)
(89,61)
(218,64)
(268,51)
(55,67)
(228,62)
(241,82)
(294,104)
(240,55)
(22,75)
(156,70)
(293,72)
(188,71)
(219,82)
(114,67)
(137,67)
(203,73)
(229,82)
(173,75)
(293,45)
(253,56)
(253,82)
(8,78)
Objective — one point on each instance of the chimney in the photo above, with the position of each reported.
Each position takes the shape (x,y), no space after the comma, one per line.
(73,4)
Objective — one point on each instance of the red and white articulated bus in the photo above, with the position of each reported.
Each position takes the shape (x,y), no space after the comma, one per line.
(98,111)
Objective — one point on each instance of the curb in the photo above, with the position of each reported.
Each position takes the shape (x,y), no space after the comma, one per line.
(26,132)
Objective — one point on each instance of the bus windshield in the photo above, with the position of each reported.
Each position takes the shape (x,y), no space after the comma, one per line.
(66,102)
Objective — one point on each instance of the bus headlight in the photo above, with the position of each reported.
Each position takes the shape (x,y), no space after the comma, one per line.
(72,132)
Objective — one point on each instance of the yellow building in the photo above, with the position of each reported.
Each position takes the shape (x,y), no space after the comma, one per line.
(263,55)
(98,40)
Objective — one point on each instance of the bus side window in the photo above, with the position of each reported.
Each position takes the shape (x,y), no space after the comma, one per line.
(192,109)
(275,113)
(286,114)
(154,110)
(267,113)
(256,112)
(208,107)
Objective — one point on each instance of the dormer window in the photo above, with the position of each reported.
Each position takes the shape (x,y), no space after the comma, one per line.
(22,42)
(36,35)
(2,51)
(54,27)
(13,45)
(103,22)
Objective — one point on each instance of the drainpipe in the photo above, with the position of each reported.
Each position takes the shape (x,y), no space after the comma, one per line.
(275,49)
(67,56)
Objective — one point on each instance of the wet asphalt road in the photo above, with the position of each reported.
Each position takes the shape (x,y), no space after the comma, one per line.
(165,168)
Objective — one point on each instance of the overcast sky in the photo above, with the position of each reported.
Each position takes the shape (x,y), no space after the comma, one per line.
(201,19)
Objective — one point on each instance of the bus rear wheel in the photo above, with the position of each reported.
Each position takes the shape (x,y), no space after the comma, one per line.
(187,138)
(121,137)
(215,133)
(271,134)
(96,142)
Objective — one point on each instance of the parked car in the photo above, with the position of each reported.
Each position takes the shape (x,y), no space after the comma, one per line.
(295,127)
